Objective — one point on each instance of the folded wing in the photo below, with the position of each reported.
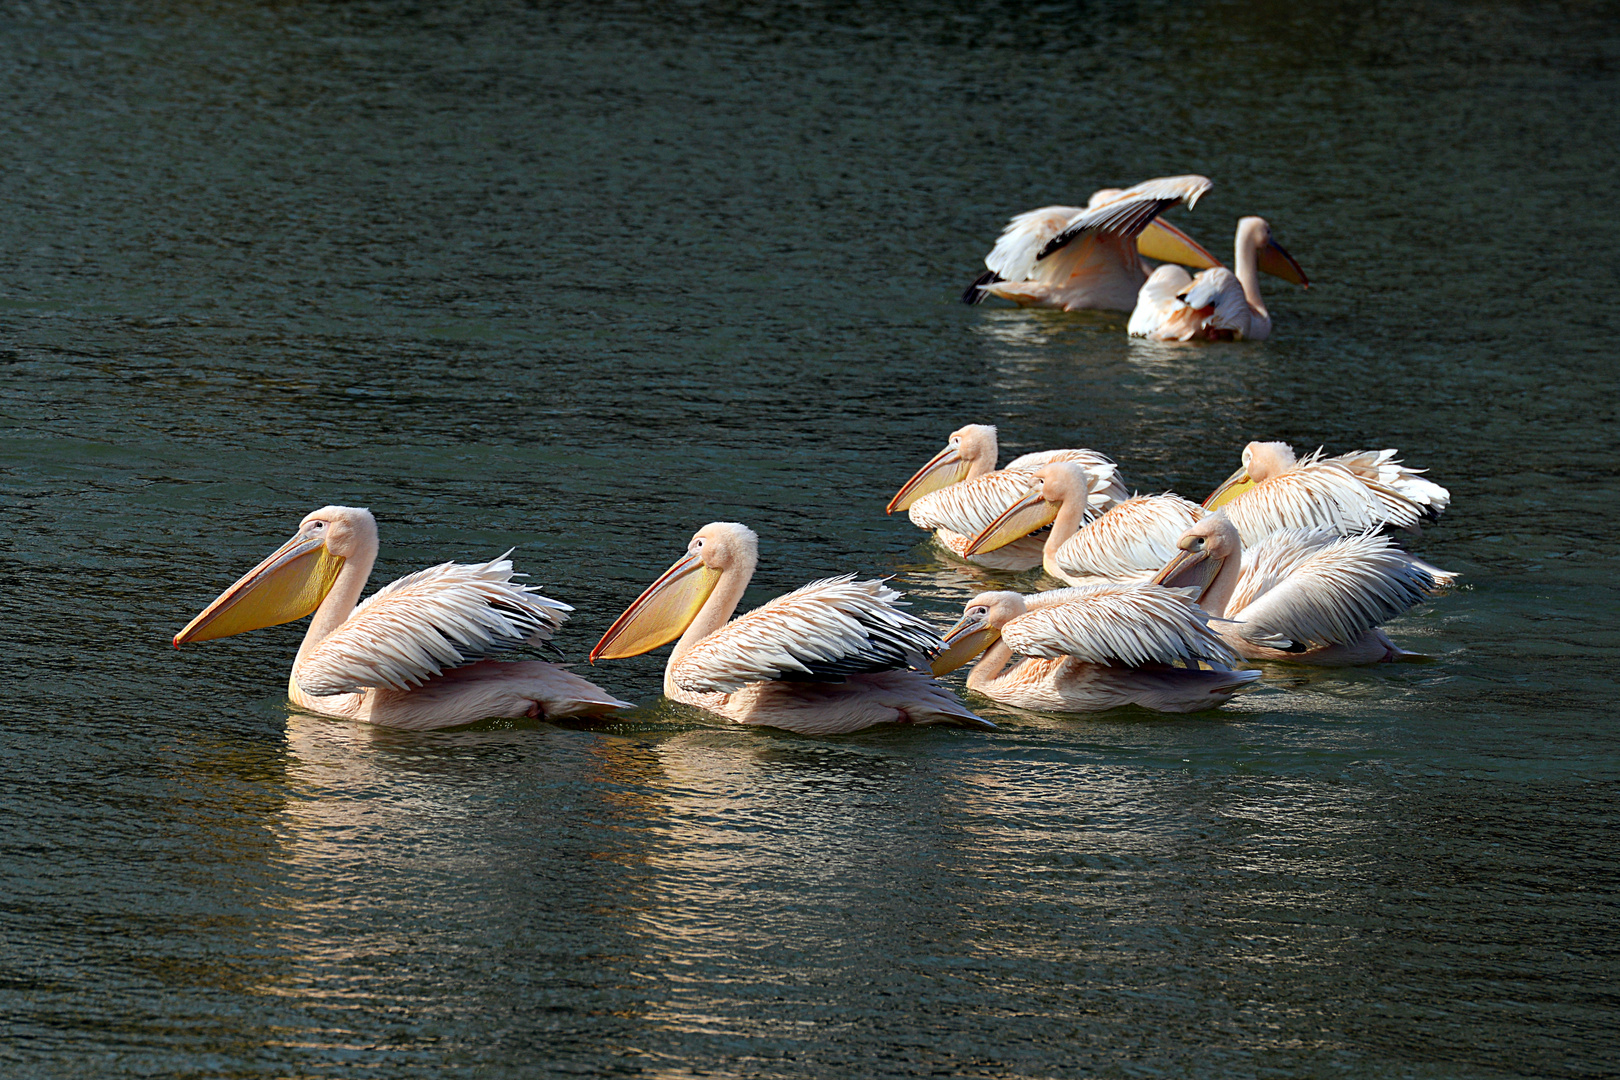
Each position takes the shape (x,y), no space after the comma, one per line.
(1128,625)
(424,623)
(1306,588)
(823,632)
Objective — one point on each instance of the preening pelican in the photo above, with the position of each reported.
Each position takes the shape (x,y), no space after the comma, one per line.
(956,494)
(832,657)
(414,655)
(1217,305)
(1307,596)
(1094,648)
(1071,258)
(1129,543)
(1347,494)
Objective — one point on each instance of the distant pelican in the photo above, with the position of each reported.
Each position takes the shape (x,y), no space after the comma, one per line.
(832,657)
(1305,596)
(1072,258)
(414,655)
(1217,304)
(1094,648)
(956,494)
(1129,543)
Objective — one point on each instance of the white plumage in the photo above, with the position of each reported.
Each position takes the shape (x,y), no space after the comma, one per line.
(1218,304)
(1130,542)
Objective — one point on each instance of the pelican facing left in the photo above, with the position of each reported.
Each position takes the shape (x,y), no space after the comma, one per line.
(832,657)
(413,655)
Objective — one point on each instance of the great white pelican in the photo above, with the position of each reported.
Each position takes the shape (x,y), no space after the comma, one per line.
(1130,542)
(415,654)
(959,492)
(1219,304)
(1091,257)
(1350,493)
(1094,648)
(834,656)
(1306,596)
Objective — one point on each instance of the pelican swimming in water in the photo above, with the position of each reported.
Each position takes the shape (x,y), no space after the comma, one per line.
(1094,648)
(1072,257)
(959,492)
(1129,543)
(413,655)
(1307,596)
(1218,304)
(1350,493)
(832,657)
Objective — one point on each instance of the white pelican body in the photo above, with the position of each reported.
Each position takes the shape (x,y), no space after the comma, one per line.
(1347,494)
(1218,304)
(1094,648)
(834,656)
(1072,257)
(1128,543)
(414,655)
(959,492)
(1306,596)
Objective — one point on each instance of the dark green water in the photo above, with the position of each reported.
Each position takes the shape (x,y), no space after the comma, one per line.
(581,278)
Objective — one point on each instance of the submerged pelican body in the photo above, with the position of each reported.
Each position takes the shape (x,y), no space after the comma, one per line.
(1094,648)
(959,491)
(1301,595)
(834,656)
(415,654)
(1091,257)
(1219,304)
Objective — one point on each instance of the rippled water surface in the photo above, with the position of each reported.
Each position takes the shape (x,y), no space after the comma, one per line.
(578,279)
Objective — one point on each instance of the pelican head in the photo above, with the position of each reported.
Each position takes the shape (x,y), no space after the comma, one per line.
(1050,487)
(671,604)
(968,447)
(1261,462)
(1204,548)
(293,580)
(1270,256)
(978,628)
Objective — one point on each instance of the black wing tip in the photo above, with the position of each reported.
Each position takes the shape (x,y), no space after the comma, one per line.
(975,293)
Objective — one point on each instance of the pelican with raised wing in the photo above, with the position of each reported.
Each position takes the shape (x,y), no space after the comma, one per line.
(1072,257)
(415,654)
(1218,304)
(834,656)
(959,492)
(1094,648)
(1130,542)
(1303,595)
(1322,491)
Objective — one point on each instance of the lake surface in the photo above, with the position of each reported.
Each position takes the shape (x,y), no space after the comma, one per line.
(580,278)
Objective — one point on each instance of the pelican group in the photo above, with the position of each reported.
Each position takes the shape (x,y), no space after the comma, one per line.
(831,657)
(416,653)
